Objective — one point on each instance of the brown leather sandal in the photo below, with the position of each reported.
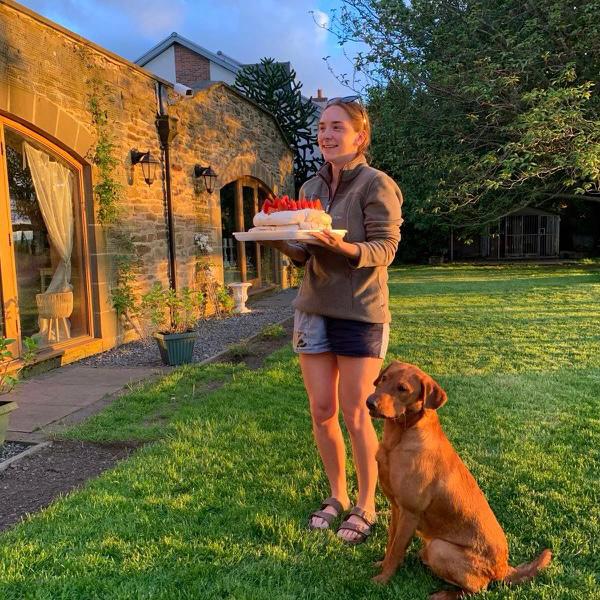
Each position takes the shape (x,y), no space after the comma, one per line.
(363,532)
(326,516)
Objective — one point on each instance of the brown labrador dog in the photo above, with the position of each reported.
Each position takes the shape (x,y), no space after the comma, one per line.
(433,494)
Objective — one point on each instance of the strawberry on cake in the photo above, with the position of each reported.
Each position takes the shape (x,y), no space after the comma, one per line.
(283,214)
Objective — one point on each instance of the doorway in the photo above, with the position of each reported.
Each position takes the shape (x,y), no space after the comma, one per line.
(245,261)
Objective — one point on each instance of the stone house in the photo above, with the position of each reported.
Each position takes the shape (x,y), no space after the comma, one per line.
(64,100)
(180,60)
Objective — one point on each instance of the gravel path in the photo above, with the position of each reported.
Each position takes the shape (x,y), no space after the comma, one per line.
(10,449)
(34,481)
(215,334)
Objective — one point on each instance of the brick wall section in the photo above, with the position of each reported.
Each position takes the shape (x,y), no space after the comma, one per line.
(190,68)
(44,82)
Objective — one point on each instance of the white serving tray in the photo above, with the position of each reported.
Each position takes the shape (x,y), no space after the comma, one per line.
(274,235)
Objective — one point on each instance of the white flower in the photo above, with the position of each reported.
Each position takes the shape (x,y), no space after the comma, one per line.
(201,241)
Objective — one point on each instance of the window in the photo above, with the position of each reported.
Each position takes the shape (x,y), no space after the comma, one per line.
(42,266)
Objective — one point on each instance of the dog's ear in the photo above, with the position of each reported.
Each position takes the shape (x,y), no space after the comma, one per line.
(432,394)
(376,382)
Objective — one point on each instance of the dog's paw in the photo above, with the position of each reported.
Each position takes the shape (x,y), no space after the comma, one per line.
(378,564)
(381,579)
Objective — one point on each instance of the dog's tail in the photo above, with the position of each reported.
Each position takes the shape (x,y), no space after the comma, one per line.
(528,571)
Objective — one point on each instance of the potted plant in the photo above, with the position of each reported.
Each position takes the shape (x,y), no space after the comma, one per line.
(216,295)
(173,315)
(8,380)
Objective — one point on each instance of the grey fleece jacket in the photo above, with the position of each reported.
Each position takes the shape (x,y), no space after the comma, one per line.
(368,204)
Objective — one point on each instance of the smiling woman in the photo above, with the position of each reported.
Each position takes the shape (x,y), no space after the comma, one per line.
(341,324)
(344,130)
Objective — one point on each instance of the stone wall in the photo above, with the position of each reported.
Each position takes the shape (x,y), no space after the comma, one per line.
(45,83)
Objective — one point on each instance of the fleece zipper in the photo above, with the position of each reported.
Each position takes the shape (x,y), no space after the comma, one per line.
(347,270)
(330,203)
(331,198)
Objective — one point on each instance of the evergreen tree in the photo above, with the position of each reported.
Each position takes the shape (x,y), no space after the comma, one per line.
(271,85)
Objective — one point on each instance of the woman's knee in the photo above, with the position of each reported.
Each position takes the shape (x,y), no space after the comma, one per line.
(356,418)
(323,411)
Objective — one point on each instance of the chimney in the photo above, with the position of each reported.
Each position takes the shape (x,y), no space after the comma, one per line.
(320,98)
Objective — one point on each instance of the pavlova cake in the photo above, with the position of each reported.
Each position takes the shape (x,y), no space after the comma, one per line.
(284,214)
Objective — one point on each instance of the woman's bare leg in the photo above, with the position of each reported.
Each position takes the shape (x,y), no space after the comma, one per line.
(356,377)
(320,374)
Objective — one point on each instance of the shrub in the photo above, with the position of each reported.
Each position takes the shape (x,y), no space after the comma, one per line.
(239,351)
(272,332)
(170,311)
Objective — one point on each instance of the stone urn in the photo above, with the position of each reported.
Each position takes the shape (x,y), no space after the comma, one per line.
(240,296)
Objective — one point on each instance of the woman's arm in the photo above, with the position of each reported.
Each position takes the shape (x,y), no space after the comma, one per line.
(382,210)
(295,251)
(382,219)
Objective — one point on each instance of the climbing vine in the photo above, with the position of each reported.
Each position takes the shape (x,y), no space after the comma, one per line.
(108,192)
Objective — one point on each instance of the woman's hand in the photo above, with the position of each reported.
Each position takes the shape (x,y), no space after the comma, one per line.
(335,243)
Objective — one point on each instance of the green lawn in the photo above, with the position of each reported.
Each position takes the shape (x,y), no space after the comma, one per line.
(216,507)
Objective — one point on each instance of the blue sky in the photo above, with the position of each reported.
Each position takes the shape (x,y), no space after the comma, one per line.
(247,30)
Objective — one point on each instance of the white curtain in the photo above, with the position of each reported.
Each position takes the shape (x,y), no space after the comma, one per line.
(53,184)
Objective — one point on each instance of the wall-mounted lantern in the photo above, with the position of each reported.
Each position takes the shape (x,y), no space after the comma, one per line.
(209,176)
(148,162)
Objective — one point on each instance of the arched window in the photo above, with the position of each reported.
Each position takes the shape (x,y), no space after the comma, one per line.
(245,261)
(43,272)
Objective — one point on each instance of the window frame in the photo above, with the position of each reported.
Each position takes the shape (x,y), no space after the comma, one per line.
(8,274)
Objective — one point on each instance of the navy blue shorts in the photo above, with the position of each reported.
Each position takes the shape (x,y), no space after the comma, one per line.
(315,333)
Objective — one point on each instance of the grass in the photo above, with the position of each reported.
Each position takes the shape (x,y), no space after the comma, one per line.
(240,350)
(216,507)
(146,413)
(272,332)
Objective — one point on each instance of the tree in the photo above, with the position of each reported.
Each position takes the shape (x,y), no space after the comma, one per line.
(24,203)
(481,106)
(21,188)
(274,87)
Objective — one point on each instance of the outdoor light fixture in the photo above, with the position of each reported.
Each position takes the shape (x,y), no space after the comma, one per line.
(210,177)
(148,162)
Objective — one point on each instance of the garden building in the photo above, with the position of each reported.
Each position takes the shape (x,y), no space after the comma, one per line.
(525,233)
(528,233)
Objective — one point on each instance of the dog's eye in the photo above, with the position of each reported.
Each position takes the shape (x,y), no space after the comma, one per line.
(402,388)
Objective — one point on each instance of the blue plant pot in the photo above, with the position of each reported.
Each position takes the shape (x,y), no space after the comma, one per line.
(176,348)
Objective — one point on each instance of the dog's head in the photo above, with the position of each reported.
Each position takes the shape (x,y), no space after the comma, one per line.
(403,390)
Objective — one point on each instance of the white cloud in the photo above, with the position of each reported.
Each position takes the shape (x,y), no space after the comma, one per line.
(321,20)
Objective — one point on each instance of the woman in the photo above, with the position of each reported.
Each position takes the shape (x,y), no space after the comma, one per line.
(341,323)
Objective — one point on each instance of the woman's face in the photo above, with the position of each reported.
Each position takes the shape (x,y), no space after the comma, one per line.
(338,140)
